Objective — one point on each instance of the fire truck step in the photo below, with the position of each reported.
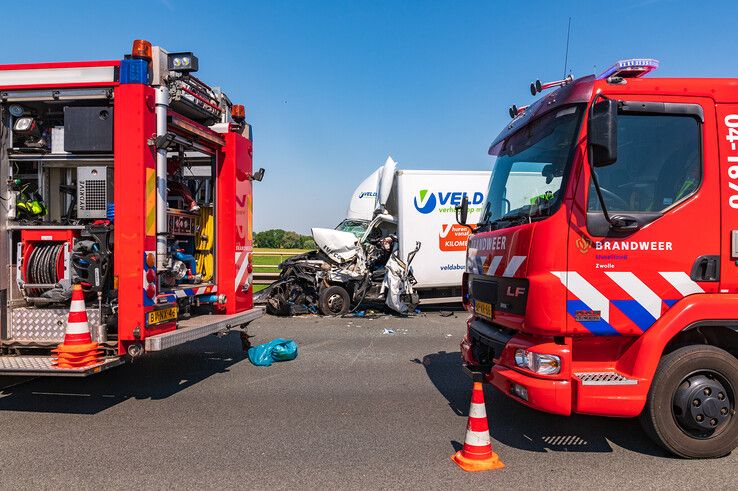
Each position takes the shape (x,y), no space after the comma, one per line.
(604,378)
(40,366)
(198,327)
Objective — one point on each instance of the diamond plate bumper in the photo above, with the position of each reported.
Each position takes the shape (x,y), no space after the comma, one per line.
(40,366)
(201,326)
(30,324)
(604,378)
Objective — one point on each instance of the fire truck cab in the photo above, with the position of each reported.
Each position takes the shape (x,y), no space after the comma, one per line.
(133,179)
(603,276)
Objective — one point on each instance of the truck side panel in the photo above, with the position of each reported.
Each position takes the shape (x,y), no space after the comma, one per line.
(727,131)
(234,226)
(426,204)
(135,122)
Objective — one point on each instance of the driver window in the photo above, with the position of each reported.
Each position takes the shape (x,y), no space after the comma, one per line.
(659,164)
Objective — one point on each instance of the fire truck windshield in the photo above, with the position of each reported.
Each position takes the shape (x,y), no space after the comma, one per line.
(530,166)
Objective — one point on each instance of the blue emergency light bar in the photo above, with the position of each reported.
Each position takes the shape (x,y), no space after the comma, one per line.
(631,68)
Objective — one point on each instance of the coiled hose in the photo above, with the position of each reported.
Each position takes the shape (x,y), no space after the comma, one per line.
(41,266)
(204,241)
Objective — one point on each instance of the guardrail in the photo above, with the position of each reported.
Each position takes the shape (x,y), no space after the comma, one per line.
(266,274)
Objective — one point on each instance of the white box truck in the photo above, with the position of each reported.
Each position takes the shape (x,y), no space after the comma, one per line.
(420,206)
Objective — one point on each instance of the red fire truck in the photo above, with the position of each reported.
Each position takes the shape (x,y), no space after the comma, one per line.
(133,179)
(603,276)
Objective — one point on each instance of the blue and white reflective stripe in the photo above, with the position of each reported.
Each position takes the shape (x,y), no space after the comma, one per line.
(513,265)
(587,293)
(494,265)
(637,289)
(682,282)
(643,309)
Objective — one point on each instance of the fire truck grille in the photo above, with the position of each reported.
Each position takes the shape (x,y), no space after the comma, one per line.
(95,198)
(488,341)
(604,378)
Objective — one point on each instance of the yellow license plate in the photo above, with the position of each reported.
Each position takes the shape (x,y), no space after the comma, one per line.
(483,308)
(158,316)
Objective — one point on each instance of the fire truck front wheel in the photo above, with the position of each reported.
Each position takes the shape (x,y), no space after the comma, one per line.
(691,406)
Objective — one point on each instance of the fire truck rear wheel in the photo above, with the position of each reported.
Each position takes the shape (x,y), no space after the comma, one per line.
(334,300)
(691,406)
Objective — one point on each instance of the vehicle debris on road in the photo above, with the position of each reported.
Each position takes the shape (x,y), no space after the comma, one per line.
(342,274)
(278,349)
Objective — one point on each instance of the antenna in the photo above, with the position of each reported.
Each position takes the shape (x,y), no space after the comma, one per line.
(566,55)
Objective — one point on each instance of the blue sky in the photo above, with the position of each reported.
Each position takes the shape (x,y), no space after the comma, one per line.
(333,87)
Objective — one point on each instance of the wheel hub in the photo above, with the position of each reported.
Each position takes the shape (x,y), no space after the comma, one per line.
(702,404)
(335,302)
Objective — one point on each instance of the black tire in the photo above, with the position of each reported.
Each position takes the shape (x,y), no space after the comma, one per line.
(667,422)
(334,300)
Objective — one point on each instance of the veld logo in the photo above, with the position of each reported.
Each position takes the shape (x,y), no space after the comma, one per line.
(367,194)
(448,201)
(453,237)
(427,202)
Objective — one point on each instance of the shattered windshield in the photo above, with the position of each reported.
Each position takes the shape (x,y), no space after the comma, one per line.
(529,169)
(356,227)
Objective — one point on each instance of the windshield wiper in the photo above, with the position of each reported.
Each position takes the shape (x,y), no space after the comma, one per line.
(510,218)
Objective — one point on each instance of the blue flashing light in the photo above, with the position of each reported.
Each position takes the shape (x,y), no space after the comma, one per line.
(134,71)
(631,68)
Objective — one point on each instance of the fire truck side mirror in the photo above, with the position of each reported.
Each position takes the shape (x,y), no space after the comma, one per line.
(602,133)
(258,175)
(462,211)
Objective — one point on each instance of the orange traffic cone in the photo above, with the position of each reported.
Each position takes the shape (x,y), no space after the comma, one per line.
(477,454)
(77,350)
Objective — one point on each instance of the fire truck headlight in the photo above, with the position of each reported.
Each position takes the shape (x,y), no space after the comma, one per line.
(538,362)
(23,124)
(545,364)
(521,358)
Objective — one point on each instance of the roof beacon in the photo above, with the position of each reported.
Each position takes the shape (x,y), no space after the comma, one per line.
(516,111)
(632,68)
(537,87)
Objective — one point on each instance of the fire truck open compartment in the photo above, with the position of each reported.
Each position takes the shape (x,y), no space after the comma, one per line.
(119,188)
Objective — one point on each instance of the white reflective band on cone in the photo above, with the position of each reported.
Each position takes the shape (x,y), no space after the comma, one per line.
(77,328)
(477,438)
(77,306)
(477,411)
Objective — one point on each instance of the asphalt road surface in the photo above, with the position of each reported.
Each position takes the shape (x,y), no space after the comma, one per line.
(358,408)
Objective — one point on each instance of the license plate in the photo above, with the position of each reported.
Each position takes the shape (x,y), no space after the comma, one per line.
(159,316)
(483,309)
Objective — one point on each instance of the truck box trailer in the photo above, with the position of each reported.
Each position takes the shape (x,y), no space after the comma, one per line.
(133,179)
(419,206)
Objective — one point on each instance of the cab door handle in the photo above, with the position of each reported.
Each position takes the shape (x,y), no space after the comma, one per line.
(706,268)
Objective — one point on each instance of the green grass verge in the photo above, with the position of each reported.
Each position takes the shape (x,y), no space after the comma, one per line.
(272,260)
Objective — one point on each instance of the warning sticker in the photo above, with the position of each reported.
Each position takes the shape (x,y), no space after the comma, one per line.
(453,237)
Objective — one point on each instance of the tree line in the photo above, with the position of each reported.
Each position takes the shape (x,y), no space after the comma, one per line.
(282,239)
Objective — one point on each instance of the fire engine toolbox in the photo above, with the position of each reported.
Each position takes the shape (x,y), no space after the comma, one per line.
(88,129)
